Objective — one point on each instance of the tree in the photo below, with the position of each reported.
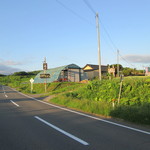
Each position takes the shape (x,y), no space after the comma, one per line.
(21,73)
(2,75)
(128,71)
(115,66)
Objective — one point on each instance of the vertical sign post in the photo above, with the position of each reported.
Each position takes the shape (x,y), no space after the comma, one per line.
(45,68)
(121,81)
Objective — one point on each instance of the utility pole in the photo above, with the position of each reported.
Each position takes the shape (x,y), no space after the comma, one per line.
(99,54)
(117,63)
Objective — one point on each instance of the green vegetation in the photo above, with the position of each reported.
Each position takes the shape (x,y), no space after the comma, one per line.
(95,97)
(134,113)
(98,96)
(101,108)
(126,71)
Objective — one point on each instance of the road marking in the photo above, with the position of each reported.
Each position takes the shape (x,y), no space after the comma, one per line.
(14,103)
(4,91)
(85,115)
(3,88)
(92,117)
(62,131)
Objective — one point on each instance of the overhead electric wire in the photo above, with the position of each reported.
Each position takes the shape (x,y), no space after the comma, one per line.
(109,37)
(89,6)
(126,61)
(73,12)
(113,44)
(100,21)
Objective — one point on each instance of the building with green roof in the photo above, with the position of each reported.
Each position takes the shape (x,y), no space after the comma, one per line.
(70,73)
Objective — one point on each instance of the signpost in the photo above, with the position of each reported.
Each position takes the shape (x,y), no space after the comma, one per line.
(45,75)
(121,81)
(31,81)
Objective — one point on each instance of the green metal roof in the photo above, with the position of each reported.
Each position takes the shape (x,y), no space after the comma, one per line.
(54,73)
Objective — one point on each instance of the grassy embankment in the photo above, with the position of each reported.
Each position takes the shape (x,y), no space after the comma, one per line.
(97,96)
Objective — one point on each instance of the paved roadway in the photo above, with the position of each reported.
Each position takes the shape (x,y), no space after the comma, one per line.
(30,124)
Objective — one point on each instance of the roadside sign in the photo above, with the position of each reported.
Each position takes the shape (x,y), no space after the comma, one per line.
(45,75)
(31,80)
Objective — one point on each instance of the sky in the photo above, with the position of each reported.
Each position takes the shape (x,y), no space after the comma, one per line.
(64,31)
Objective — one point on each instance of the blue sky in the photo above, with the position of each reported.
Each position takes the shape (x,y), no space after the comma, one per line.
(64,31)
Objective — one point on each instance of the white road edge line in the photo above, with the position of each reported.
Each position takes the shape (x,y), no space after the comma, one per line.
(82,114)
(14,103)
(62,131)
(4,90)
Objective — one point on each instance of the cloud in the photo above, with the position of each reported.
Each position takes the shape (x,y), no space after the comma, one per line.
(7,66)
(10,66)
(138,58)
(8,70)
(9,62)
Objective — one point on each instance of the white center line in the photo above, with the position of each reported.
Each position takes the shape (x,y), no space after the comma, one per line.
(14,103)
(62,131)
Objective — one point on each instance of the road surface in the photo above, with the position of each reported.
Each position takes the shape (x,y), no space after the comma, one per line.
(30,124)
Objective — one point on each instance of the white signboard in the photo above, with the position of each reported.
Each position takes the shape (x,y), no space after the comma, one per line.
(31,80)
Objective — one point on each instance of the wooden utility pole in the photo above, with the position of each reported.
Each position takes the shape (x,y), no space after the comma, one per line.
(99,54)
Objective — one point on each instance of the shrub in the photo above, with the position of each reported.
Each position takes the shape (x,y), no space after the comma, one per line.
(134,113)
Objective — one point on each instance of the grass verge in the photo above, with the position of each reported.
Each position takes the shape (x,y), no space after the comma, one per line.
(101,108)
(134,113)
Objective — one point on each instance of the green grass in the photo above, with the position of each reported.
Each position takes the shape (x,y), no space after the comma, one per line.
(134,113)
(100,108)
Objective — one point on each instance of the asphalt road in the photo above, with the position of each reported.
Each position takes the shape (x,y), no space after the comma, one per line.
(30,124)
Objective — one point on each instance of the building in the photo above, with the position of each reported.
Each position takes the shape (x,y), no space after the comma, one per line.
(147,71)
(70,73)
(92,71)
(112,71)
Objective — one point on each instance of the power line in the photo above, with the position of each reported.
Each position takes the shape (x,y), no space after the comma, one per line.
(89,6)
(100,21)
(92,9)
(73,12)
(126,61)
(109,37)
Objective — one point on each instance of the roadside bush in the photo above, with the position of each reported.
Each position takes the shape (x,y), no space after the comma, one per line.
(96,90)
(138,114)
